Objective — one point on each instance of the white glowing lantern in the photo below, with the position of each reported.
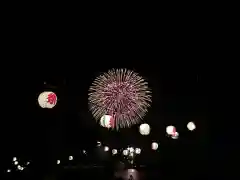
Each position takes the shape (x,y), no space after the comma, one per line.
(106,148)
(107,121)
(175,135)
(170,130)
(47,99)
(137,150)
(191,126)
(154,146)
(130,149)
(114,151)
(99,143)
(144,129)
(70,158)
(125,152)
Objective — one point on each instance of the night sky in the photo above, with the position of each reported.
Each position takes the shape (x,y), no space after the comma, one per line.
(173,70)
(178,96)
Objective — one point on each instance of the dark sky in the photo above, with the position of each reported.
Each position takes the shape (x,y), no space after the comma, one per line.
(170,62)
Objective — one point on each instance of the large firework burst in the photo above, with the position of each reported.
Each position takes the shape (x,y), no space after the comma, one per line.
(121,93)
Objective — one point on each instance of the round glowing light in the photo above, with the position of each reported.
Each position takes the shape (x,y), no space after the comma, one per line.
(106,148)
(144,129)
(131,149)
(170,130)
(99,143)
(107,121)
(114,151)
(138,151)
(154,146)
(191,126)
(175,135)
(125,152)
(47,99)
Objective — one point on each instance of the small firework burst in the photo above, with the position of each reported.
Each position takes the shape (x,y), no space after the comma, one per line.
(121,93)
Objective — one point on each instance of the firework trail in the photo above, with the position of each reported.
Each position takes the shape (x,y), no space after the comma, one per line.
(121,93)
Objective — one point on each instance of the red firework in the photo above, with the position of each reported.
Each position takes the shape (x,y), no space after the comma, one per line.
(121,93)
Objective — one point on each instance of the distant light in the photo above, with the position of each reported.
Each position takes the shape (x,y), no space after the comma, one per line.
(84,152)
(9,170)
(16,162)
(175,135)
(125,152)
(58,161)
(144,129)
(70,158)
(107,121)
(131,149)
(47,99)
(99,143)
(22,168)
(132,174)
(131,170)
(114,151)
(138,151)
(170,130)
(191,126)
(19,167)
(154,146)
(28,163)
(106,148)
(14,159)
